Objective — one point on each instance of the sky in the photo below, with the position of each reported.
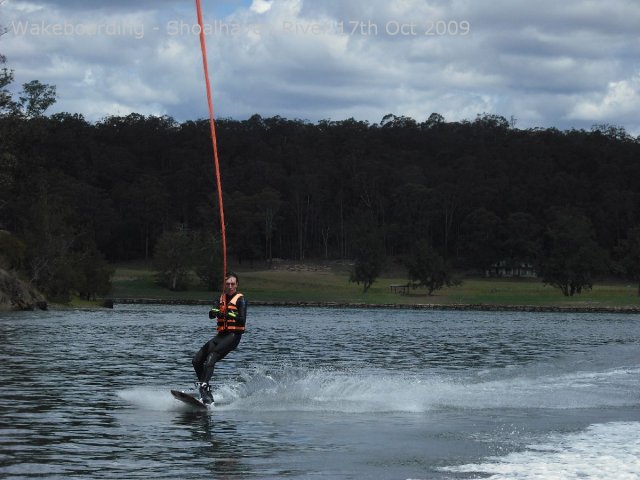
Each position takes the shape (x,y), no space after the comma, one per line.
(549,63)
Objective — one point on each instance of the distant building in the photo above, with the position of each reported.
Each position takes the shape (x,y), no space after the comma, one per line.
(511,268)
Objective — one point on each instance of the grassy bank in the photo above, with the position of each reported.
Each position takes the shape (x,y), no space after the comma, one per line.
(314,283)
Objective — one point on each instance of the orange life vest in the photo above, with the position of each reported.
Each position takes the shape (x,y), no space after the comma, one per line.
(226,323)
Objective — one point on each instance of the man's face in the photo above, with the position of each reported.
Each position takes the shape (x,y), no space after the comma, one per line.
(231,285)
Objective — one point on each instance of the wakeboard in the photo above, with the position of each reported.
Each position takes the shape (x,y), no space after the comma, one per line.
(189,399)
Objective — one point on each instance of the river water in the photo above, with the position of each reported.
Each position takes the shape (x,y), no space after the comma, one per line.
(322,393)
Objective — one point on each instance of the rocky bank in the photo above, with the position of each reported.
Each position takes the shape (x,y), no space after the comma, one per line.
(18,295)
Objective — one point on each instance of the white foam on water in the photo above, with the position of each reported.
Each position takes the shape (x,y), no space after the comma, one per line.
(602,451)
(612,387)
(300,389)
(322,390)
(151,399)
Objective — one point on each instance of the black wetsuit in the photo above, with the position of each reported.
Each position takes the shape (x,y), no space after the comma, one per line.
(219,346)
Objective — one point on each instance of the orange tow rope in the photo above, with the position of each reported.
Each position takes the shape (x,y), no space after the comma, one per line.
(203,48)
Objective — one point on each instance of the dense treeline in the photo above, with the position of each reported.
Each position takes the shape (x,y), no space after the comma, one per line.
(75,194)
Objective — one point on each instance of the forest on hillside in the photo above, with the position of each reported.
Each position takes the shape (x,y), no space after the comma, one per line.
(76,196)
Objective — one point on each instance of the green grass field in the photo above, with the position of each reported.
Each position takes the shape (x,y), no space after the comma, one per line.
(310,283)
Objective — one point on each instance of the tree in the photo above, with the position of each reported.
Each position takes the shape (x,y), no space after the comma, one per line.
(490,121)
(173,258)
(428,269)
(629,253)
(480,238)
(571,257)
(36,98)
(369,257)
(522,237)
(7,105)
(208,260)
(446,199)
(476,190)
(270,203)
(7,156)
(244,226)
(147,203)
(50,238)
(94,274)
(435,120)
(12,251)
(60,255)
(367,266)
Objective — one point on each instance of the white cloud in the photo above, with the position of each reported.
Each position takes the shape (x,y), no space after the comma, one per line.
(548,63)
(260,6)
(621,100)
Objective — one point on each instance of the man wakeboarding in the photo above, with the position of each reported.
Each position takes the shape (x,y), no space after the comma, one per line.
(231,315)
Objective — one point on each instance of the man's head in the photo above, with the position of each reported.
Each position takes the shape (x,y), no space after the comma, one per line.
(231,283)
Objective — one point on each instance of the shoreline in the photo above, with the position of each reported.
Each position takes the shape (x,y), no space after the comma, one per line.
(418,306)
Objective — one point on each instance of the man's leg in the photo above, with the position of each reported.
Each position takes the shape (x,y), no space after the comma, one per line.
(219,347)
(199,358)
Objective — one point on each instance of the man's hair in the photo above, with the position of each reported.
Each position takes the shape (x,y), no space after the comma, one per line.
(233,274)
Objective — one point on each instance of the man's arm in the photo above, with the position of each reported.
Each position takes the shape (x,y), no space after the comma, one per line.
(241,319)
